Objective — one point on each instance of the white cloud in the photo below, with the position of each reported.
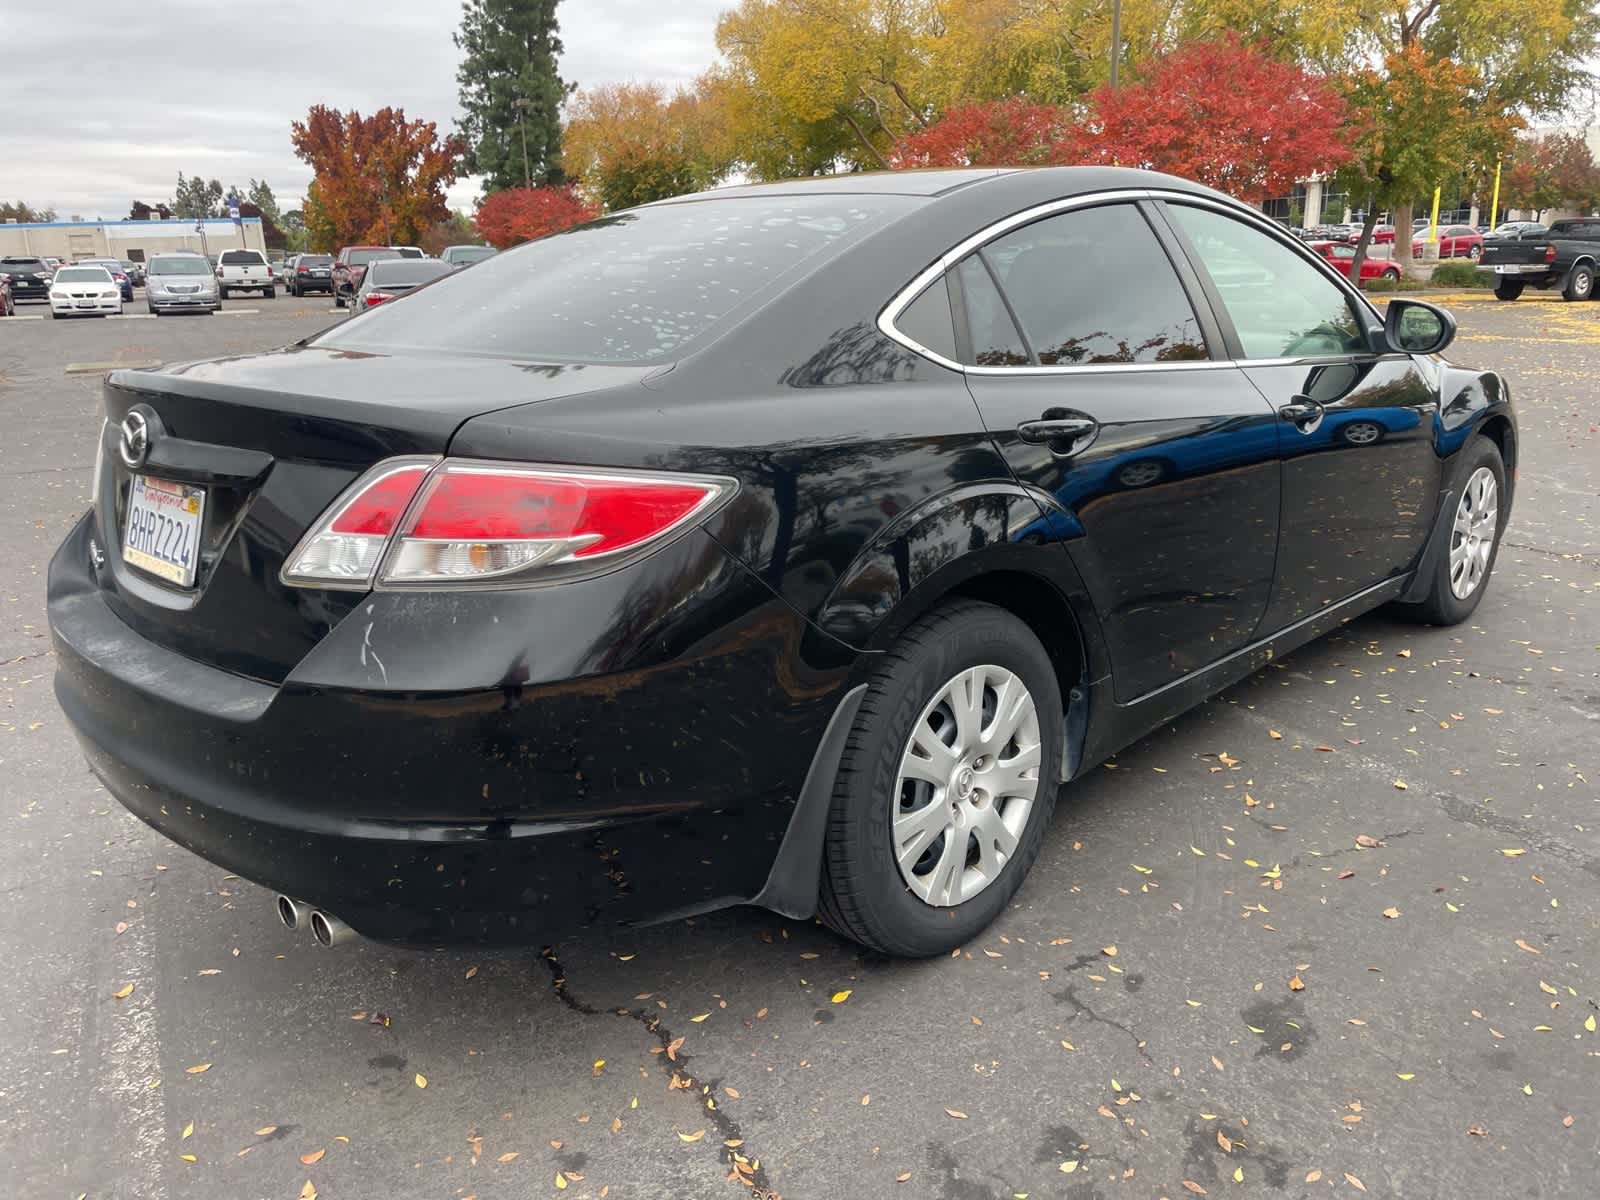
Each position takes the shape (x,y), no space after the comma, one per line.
(210,88)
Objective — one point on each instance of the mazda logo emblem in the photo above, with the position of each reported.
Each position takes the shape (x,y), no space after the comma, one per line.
(135,443)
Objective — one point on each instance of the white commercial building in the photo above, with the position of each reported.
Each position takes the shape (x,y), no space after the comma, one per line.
(129,241)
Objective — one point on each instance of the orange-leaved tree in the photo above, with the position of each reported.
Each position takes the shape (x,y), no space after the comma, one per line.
(379,178)
(516,215)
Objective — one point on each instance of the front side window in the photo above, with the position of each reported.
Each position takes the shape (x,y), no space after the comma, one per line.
(1094,286)
(1281,304)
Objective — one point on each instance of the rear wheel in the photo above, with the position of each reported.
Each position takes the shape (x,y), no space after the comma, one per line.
(222,293)
(945,785)
(269,293)
(1462,572)
(1580,282)
(338,298)
(1508,289)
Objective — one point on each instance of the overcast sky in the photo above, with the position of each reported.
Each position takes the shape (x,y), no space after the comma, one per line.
(104,101)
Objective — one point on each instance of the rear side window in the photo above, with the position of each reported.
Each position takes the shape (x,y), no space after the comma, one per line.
(242,258)
(995,340)
(1281,304)
(634,287)
(926,320)
(1094,286)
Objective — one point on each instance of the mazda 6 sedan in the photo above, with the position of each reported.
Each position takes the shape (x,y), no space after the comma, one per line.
(790,544)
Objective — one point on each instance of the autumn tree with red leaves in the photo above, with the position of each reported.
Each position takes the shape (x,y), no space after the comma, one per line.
(1012,132)
(1221,113)
(379,179)
(1224,114)
(517,215)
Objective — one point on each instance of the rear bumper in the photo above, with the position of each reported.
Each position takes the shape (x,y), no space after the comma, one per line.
(1538,274)
(247,285)
(497,814)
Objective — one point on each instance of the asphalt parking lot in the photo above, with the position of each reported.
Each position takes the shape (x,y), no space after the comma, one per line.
(1335,932)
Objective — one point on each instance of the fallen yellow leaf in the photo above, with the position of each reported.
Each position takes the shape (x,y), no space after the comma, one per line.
(1313,1175)
(312,1159)
(198,1069)
(1068,1167)
(420,1080)
(561,1182)
(700,1018)
(189,1158)
(266,1131)
(1391,913)
(1513,853)
(509,1156)
(1202,854)
(1404,1075)
(692,1137)
(1275,735)
(309,1192)
(1588,1022)
(188,1131)
(123,992)
(956,1113)
(841,997)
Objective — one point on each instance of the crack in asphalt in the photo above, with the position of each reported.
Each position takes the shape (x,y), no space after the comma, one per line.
(742,1167)
(1566,556)
(1468,813)
(1080,1009)
(9,662)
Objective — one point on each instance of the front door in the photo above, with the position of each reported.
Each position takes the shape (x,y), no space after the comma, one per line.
(1355,429)
(1105,389)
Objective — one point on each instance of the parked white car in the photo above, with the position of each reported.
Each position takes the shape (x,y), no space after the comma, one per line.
(84,291)
(245,270)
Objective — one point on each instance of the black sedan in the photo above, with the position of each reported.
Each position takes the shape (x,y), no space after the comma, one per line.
(786,545)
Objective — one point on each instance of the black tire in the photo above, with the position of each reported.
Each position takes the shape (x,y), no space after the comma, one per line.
(1508,289)
(862,894)
(1580,283)
(1474,252)
(222,293)
(1442,606)
(338,298)
(269,293)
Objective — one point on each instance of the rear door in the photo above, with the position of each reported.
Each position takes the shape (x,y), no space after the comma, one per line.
(1355,421)
(1105,386)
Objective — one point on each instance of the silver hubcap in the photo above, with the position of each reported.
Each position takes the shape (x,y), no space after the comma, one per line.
(1472,538)
(1361,432)
(968,780)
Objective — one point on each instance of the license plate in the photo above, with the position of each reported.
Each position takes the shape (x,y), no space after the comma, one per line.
(162,531)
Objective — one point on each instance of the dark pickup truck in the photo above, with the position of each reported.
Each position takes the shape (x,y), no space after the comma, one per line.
(1564,256)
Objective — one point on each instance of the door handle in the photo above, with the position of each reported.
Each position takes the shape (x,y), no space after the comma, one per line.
(1074,430)
(1303,411)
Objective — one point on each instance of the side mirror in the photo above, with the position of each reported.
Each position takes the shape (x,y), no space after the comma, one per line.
(1417,327)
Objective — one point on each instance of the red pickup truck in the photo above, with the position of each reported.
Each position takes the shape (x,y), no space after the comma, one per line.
(351,266)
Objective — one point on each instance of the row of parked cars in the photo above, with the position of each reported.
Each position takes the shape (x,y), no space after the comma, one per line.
(188,281)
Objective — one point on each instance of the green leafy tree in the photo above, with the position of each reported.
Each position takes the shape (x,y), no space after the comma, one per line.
(510,93)
(25,213)
(260,194)
(197,197)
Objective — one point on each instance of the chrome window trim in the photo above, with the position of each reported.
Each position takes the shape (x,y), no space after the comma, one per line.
(903,298)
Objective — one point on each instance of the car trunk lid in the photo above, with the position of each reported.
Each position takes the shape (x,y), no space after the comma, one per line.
(272,440)
(1500,251)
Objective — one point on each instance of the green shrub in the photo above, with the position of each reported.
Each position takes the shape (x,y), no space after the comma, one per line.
(1392,285)
(1459,274)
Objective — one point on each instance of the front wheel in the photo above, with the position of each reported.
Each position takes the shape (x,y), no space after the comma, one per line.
(1462,571)
(946,783)
(1508,289)
(1580,283)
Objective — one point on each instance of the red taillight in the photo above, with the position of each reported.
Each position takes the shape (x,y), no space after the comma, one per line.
(375,298)
(486,520)
(1549,254)
(301,271)
(344,547)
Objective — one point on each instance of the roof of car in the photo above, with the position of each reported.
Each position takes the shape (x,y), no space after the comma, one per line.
(1027,183)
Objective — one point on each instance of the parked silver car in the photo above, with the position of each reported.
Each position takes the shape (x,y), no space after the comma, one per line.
(465,256)
(181,283)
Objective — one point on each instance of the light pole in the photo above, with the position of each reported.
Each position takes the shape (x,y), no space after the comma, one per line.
(522,127)
(1116,40)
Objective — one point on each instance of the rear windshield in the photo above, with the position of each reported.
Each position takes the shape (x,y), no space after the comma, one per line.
(401,271)
(242,258)
(22,264)
(188,264)
(470,254)
(635,287)
(358,257)
(83,275)
(314,260)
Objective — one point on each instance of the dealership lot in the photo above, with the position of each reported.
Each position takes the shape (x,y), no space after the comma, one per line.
(1401,821)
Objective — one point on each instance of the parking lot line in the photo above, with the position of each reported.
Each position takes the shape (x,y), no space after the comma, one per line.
(237,312)
(19,317)
(131,317)
(94,368)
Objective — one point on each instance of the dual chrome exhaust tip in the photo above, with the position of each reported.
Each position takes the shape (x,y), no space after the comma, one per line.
(326,929)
